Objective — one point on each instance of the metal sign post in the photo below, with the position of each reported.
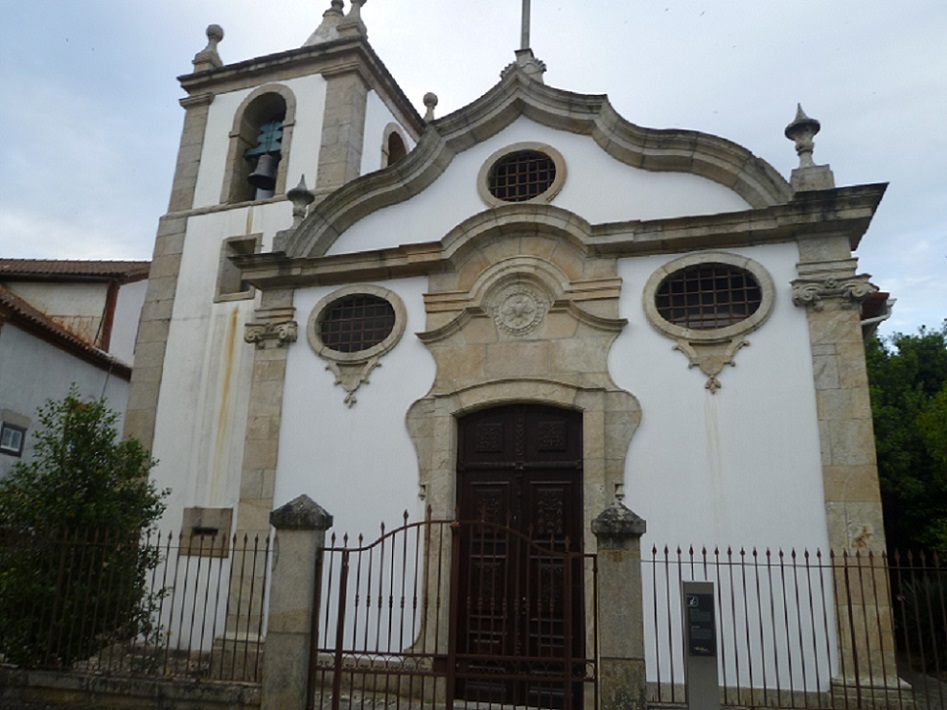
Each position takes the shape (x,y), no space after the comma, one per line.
(700,633)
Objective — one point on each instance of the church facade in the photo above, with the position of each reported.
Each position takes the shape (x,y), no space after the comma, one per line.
(530,308)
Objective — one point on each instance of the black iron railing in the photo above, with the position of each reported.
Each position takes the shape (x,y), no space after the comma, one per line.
(804,629)
(135,605)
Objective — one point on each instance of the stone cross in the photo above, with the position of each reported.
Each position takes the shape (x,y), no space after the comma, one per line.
(524,32)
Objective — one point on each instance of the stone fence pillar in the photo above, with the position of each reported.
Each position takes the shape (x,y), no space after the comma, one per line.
(622,680)
(301,528)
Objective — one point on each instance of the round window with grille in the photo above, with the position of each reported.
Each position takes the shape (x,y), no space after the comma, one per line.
(524,172)
(708,296)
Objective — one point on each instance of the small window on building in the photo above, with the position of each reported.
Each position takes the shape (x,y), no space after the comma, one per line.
(396,148)
(230,287)
(524,172)
(522,176)
(357,322)
(12,438)
(708,296)
(352,329)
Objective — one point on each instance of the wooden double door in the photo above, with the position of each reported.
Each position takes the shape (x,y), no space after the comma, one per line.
(520,596)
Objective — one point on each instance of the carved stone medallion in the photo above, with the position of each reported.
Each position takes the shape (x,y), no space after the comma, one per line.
(519,310)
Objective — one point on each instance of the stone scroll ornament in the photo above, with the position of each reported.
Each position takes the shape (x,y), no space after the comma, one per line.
(814,292)
(272,335)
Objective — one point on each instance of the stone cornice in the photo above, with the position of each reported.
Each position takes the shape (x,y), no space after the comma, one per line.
(327,57)
(845,211)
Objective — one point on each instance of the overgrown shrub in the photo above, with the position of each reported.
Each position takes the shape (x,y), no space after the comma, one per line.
(73,571)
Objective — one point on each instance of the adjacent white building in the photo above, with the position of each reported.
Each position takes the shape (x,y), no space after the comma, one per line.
(63,323)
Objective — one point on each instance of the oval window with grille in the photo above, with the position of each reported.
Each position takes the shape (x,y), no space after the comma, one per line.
(355,323)
(522,176)
(524,172)
(708,296)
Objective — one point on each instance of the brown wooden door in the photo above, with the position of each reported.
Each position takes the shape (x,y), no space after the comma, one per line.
(520,477)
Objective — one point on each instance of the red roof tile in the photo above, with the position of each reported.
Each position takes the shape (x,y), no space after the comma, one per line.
(71,269)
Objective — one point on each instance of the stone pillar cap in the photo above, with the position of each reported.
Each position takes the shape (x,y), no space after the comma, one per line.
(301,513)
(618,521)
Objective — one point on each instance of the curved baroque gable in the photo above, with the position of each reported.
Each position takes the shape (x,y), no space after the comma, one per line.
(672,150)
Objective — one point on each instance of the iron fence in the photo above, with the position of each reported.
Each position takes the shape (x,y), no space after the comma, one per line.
(139,605)
(804,630)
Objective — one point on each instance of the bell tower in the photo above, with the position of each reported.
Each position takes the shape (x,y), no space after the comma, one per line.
(319,115)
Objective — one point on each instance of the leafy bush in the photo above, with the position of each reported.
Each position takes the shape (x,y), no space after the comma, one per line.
(73,571)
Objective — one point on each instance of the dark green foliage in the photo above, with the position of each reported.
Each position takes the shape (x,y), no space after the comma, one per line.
(73,571)
(908,377)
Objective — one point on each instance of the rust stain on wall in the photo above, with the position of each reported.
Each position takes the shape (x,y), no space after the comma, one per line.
(223,414)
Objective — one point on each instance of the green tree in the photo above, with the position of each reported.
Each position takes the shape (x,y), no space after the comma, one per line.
(73,571)
(908,379)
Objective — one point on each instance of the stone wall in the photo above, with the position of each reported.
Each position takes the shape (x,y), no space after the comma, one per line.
(44,690)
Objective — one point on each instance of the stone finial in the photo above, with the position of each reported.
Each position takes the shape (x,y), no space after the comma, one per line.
(527,62)
(430,101)
(802,130)
(301,197)
(208,58)
(326,31)
(301,513)
(808,176)
(352,25)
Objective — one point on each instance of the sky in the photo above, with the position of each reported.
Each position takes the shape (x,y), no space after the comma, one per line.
(90,121)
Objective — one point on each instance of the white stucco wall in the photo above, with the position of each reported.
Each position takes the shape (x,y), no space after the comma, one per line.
(205,386)
(33,371)
(304,149)
(739,467)
(597,187)
(357,462)
(131,297)
(377,117)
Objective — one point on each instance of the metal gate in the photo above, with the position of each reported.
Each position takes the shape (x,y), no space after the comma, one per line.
(445,612)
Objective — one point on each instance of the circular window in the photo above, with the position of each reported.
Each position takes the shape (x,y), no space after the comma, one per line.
(709,297)
(355,323)
(525,172)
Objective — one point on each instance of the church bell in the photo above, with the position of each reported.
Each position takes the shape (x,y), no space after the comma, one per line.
(263,176)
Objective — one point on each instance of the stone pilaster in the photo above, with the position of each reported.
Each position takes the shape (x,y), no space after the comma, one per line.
(343,129)
(622,680)
(301,527)
(272,331)
(163,278)
(831,292)
(189,152)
